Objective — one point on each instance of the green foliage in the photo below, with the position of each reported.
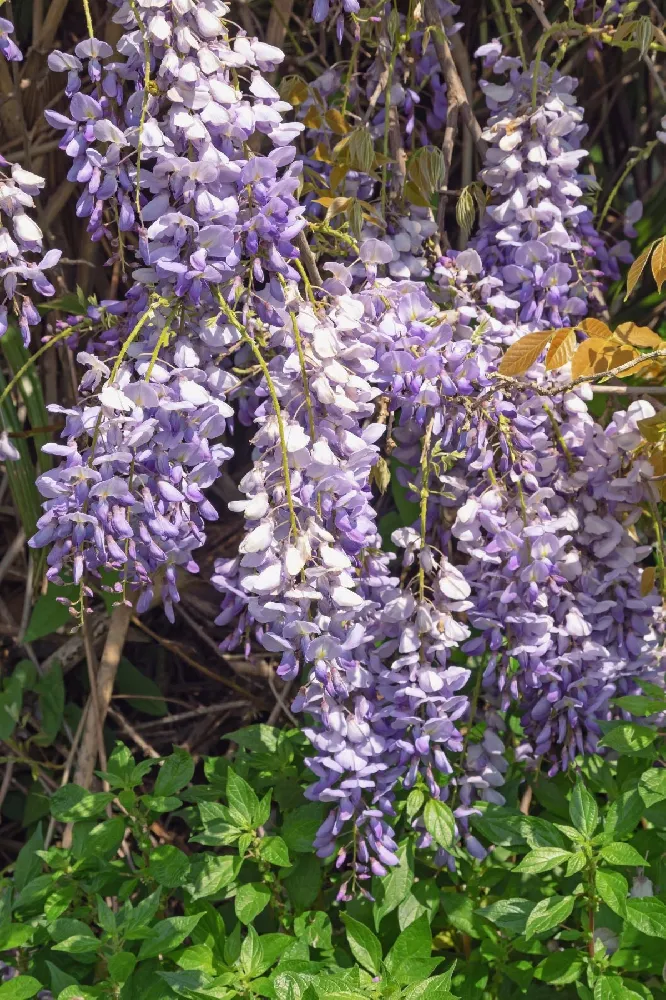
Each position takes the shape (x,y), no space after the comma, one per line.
(232,902)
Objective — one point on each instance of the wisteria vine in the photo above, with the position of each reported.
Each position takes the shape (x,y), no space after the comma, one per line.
(515,591)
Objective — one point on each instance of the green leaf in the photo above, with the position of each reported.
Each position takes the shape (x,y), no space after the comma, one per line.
(78,944)
(561,968)
(434,988)
(640,705)
(261,739)
(300,827)
(15,935)
(51,691)
(130,680)
(548,913)
(624,814)
(274,850)
(169,866)
(251,899)
(243,802)
(176,772)
(509,914)
(612,988)
(393,887)
(28,863)
(167,935)
(542,860)
(415,942)
(71,803)
(214,873)
(48,614)
(622,854)
(20,475)
(648,916)
(21,988)
(365,947)
(59,980)
(440,823)
(613,889)
(502,826)
(121,966)
(303,881)
(652,786)
(539,832)
(583,810)
(459,909)
(576,863)
(629,737)
(103,840)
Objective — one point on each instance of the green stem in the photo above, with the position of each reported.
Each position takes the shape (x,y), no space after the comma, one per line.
(515,27)
(245,336)
(425,493)
(67,332)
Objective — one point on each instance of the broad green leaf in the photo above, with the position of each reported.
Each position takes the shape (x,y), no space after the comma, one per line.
(440,822)
(303,881)
(48,614)
(613,889)
(502,826)
(176,772)
(103,840)
(509,914)
(243,802)
(71,803)
(393,887)
(561,967)
(15,935)
(652,786)
(121,966)
(251,955)
(365,947)
(274,850)
(647,915)
(300,827)
(51,691)
(28,863)
(251,899)
(622,854)
(214,873)
(629,737)
(543,859)
(20,988)
(548,913)
(415,942)
(169,866)
(583,810)
(613,988)
(167,934)
(624,814)
(149,700)
(78,944)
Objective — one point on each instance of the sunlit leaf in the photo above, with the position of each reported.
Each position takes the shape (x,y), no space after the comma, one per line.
(659,263)
(652,427)
(636,269)
(561,349)
(592,357)
(336,122)
(639,336)
(522,355)
(596,328)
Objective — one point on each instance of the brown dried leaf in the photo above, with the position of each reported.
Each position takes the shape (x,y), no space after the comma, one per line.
(648,578)
(659,263)
(636,269)
(596,328)
(639,336)
(561,349)
(592,357)
(522,355)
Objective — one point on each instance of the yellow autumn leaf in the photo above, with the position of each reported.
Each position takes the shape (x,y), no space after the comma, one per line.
(338,174)
(596,328)
(636,269)
(334,206)
(639,336)
(592,357)
(336,122)
(522,355)
(622,356)
(659,263)
(648,577)
(561,349)
(322,154)
(312,118)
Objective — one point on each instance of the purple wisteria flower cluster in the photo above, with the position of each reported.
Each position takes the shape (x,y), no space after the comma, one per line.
(500,612)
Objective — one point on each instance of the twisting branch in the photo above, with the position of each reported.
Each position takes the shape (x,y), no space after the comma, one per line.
(557,390)
(538,8)
(456,90)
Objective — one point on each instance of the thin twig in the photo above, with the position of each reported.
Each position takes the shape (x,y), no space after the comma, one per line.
(11,554)
(455,87)
(68,768)
(537,7)
(106,675)
(132,733)
(280,706)
(193,713)
(6,781)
